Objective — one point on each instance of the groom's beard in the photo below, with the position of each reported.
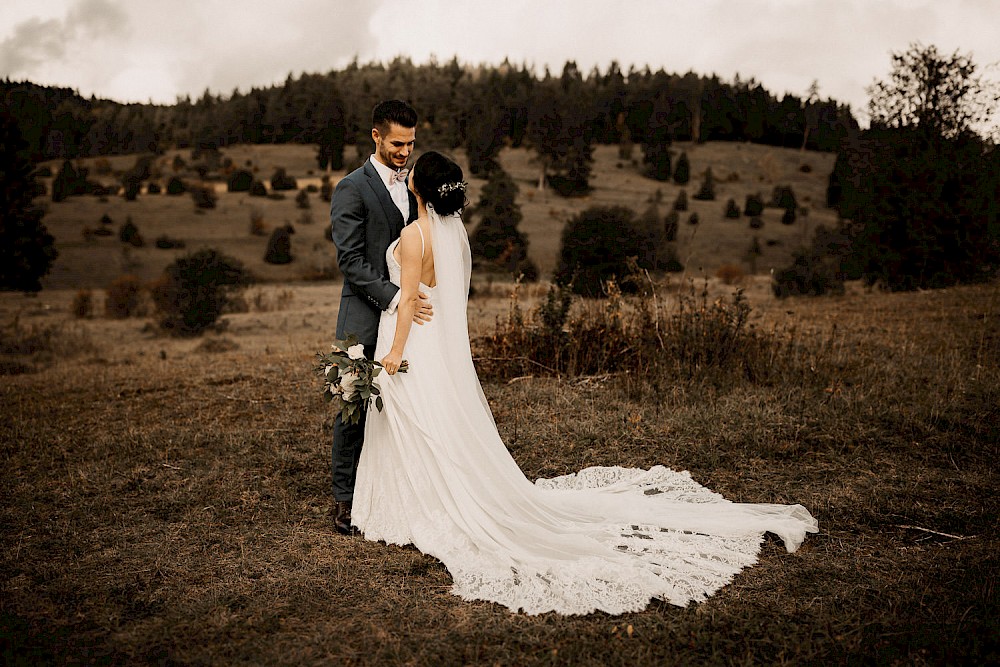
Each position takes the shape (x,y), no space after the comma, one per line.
(389,159)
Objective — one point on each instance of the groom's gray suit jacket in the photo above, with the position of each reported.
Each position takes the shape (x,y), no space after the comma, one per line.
(365,221)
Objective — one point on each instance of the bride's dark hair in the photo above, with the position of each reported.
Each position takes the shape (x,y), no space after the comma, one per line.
(439,182)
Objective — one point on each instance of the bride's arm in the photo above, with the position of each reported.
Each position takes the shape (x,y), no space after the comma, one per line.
(410,263)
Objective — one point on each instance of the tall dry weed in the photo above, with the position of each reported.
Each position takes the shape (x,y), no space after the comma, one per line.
(688,336)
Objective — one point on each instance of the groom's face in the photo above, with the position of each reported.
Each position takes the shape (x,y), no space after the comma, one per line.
(394,145)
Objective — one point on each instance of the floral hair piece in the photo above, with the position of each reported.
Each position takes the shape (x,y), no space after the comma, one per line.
(448,187)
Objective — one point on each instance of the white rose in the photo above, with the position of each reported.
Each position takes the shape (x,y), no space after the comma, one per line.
(356,351)
(349,385)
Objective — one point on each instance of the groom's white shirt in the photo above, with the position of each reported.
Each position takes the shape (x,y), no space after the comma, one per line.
(400,197)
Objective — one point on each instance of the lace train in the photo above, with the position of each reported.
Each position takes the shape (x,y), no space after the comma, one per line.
(435,473)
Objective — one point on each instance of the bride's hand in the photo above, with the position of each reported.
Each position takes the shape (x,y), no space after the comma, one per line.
(425,311)
(391,362)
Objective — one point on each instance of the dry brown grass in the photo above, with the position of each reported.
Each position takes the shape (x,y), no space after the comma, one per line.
(166,505)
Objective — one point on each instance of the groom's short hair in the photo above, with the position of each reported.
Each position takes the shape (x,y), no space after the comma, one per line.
(393,111)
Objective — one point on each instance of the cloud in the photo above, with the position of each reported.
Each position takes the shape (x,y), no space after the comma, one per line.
(132,51)
(36,42)
(32,43)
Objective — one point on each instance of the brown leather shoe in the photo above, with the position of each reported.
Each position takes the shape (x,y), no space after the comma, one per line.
(342,518)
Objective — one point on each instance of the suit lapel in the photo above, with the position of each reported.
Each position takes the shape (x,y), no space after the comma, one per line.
(389,209)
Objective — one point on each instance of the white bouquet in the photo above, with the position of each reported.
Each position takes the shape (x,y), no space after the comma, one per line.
(349,378)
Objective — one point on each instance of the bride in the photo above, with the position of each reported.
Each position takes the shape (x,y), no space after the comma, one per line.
(434,472)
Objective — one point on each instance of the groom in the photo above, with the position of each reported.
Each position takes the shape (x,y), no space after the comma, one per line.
(369,209)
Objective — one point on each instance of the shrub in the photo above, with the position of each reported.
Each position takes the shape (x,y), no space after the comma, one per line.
(596,246)
(258,189)
(326,189)
(129,233)
(788,217)
(656,157)
(132,187)
(153,189)
(239,181)
(69,181)
(681,203)
(732,210)
(682,172)
(279,247)
(754,205)
(175,186)
(707,190)
(809,275)
(671,225)
(526,271)
(166,243)
(672,262)
(83,304)
(753,252)
(280,180)
(257,227)
(756,222)
(204,196)
(302,199)
(195,289)
(693,219)
(783,197)
(818,269)
(123,297)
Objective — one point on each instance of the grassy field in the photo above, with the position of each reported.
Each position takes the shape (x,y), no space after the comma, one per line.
(739,169)
(166,500)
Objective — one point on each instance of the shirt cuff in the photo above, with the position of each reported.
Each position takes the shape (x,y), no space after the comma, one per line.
(391,309)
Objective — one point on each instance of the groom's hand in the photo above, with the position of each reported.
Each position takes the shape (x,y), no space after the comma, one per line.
(425,312)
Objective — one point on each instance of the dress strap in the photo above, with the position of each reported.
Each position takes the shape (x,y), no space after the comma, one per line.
(421,240)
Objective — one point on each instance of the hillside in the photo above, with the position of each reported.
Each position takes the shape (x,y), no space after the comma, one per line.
(739,169)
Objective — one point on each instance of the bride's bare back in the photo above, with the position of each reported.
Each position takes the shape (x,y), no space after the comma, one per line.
(420,227)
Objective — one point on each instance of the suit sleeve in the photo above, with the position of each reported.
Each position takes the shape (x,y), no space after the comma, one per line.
(347,218)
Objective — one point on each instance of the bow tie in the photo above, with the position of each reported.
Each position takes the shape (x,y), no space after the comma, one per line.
(398,176)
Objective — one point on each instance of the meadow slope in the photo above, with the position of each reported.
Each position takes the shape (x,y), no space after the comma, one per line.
(739,170)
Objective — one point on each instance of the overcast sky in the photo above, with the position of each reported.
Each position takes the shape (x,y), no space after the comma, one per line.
(141,50)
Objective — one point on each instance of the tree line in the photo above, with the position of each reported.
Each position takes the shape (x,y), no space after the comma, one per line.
(481,108)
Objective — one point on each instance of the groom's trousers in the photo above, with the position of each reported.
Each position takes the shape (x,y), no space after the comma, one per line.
(347,441)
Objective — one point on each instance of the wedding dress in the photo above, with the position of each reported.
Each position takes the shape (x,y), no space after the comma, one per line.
(434,473)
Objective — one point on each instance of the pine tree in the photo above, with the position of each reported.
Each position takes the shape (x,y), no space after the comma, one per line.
(732,210)
(279,247)
(671,225)
(496,238)
(484,138)
(681,203)
(707,190)
(27,250)
(682,172)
